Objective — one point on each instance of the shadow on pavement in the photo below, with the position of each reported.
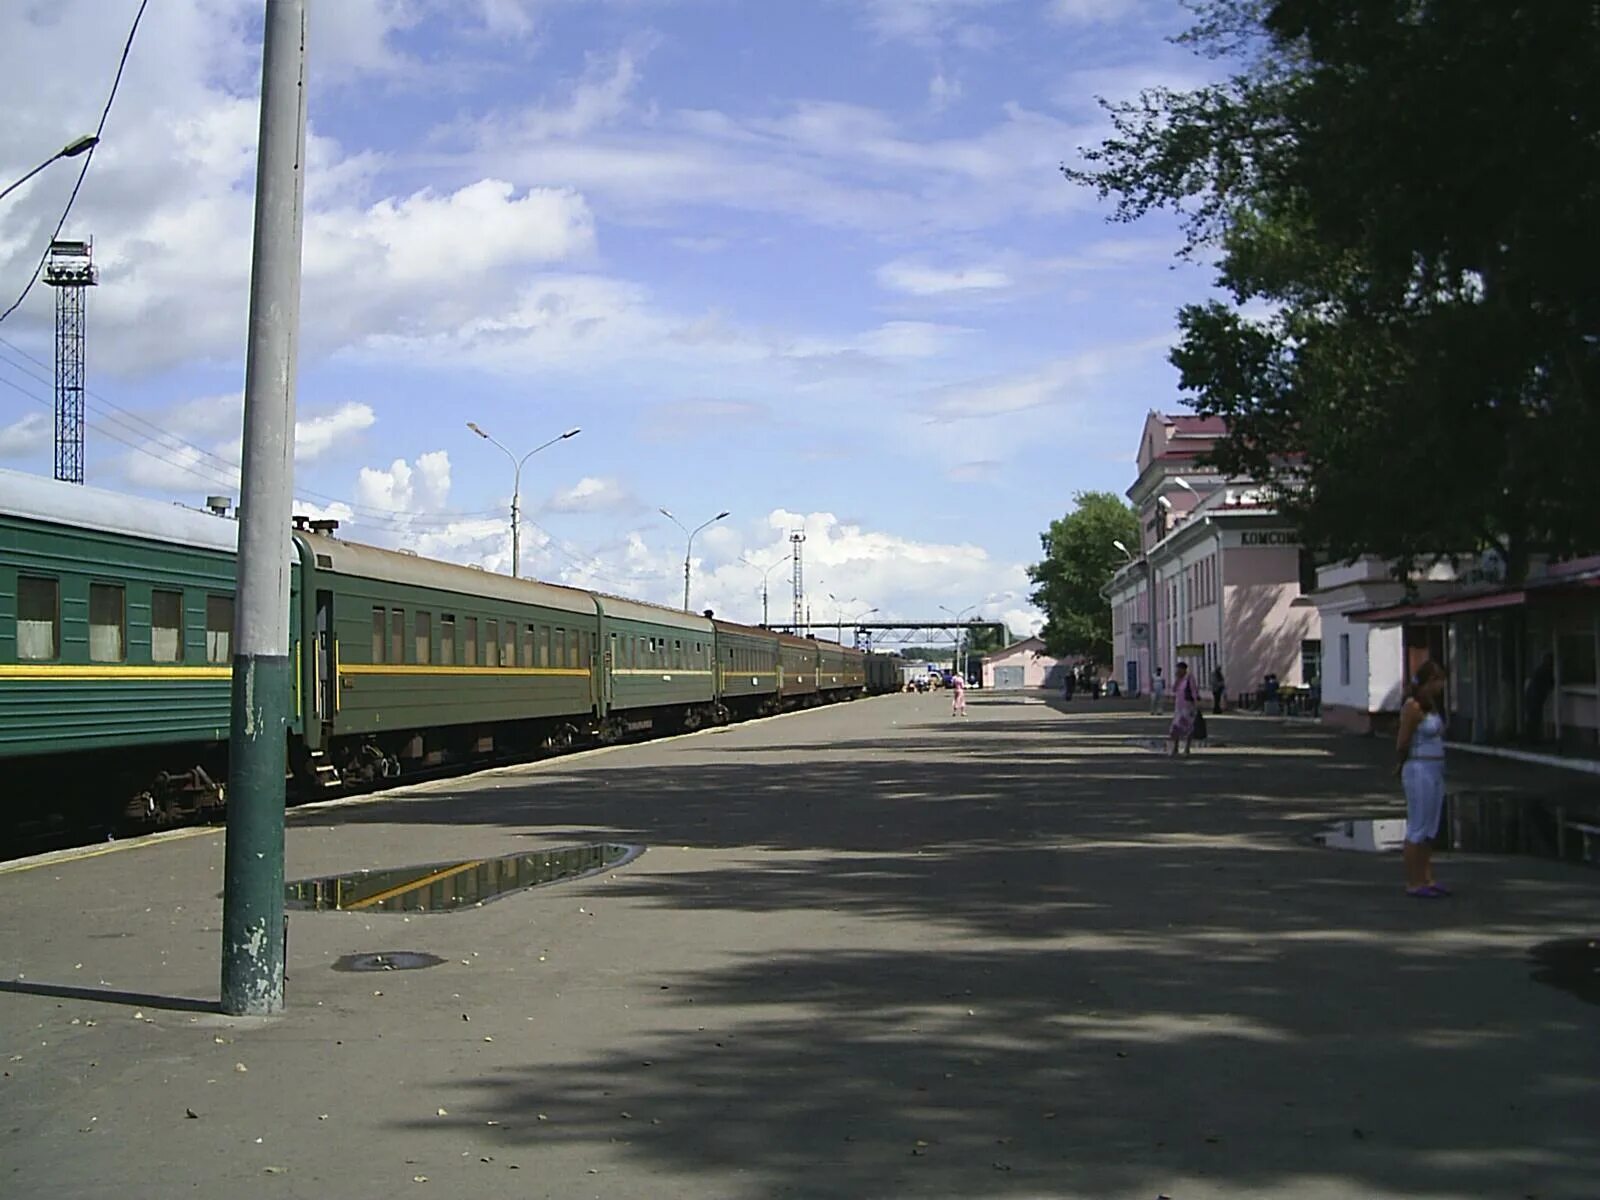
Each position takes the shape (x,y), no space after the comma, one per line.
(1118,974)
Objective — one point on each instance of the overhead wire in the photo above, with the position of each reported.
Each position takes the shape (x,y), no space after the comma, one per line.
(88,158)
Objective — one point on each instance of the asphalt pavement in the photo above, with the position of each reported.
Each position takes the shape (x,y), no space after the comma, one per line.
(869,951)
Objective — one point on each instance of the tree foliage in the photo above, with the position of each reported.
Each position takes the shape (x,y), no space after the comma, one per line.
(1080,558)
(1408,188)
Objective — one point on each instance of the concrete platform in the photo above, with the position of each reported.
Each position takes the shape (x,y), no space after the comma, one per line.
(870,951)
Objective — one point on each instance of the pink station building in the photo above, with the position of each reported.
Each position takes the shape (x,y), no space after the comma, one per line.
(1217,577)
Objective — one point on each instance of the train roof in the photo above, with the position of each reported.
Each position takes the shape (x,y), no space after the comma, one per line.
(395,566)
(659,614)
(748,630)
(49,500)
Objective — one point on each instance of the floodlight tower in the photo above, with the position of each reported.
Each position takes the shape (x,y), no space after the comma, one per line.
(797,539)
(69,269)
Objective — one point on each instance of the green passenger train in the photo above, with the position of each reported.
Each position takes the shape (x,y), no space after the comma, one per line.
(116,626)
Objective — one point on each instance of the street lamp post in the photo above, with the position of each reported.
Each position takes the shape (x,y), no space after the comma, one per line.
(1149,609)
(688,549)
(71,150)
(956,656)
(516,487)
(838,615)
(766,574)
(853,620)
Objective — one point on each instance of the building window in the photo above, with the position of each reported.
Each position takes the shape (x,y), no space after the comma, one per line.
(38,619)
(397,635)
(469,641)
(1310,660)
(1344,659)
(166,627)
(108,628)
(379,634)
(219,629)
(424,640)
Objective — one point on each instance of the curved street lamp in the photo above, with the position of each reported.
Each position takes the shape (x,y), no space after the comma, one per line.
(688,550)
(958,658)
(516,486)
(71,150)
(766,574)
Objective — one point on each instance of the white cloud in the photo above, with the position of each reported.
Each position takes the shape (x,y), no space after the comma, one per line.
(943,91)
(315,436)
(405,487)
(927,22)
(25,437)
(1059,382)
(918,279)
(593,495)
(1091,12)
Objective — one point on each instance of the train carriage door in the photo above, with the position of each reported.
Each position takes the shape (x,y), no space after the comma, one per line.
(327,689)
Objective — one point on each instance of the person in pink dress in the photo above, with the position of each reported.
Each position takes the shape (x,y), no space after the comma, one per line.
(1185,706)
(958,698)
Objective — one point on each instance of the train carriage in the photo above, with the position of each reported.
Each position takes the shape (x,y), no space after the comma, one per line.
(658,669)
(798,661)
(416,660)
(747,668)
(116,627)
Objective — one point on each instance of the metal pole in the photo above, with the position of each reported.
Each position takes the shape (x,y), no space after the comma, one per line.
(252,898)
(764,601)
(688,550)
(516,525)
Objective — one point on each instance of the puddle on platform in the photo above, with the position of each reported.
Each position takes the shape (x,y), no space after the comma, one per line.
(442,887)
(1485,825)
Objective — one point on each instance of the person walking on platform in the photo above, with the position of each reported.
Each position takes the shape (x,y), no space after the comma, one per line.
(1185,708)
(958,696)
(1419,751)
(1219,688)
(1158,691)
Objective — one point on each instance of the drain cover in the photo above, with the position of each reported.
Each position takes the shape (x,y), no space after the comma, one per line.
(388,960)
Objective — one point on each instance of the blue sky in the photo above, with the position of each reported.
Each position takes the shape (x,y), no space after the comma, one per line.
(812,262)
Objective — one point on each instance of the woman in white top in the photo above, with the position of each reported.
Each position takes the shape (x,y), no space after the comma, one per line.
(1420,753)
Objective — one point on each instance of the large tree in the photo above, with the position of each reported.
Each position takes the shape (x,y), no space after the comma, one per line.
(1080,556)
(1407,188)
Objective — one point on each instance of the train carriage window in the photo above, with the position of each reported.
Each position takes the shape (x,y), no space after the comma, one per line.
(469,641)
(166,627)
(559,647)
(491,643)
(572,648)
(379,638)
(447,639)
(397,635)
(508,647)
(528,635)
(544,645)
(108,623)
(38,619)
(424,622)
(677,654)
(219,629)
